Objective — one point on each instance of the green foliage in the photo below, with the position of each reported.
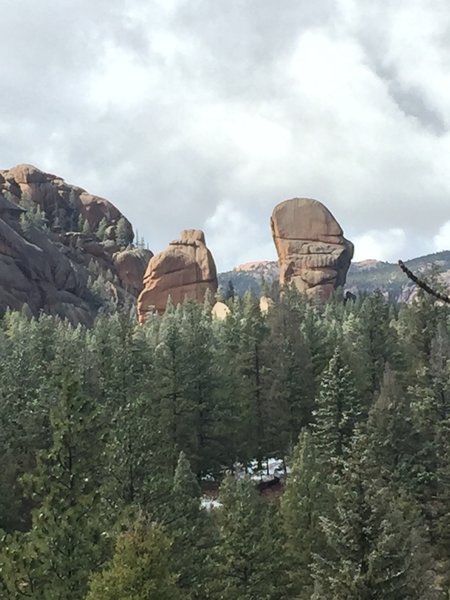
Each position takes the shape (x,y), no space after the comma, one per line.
(66,542)
(101,229)
(34,215)
(122,233)
(376,543)
(250,562)
(102,424)
(140,568)
(337,413)
(304,500)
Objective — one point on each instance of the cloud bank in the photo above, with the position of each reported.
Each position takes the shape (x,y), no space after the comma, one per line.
(192,113)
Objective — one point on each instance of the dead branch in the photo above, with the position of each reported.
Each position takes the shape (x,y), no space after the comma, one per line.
(422,284)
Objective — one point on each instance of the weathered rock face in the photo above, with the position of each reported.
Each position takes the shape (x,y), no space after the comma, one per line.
(130,266)
(47,262)
(184,271)
(312,251)
(60,201)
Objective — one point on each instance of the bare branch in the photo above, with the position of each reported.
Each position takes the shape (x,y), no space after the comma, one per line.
(422,284)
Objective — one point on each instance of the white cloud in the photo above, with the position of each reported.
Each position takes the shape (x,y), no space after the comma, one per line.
(441,240)
(207,114)
(387,245)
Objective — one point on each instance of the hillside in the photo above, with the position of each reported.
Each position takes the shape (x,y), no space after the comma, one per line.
(63,251)
(364,276)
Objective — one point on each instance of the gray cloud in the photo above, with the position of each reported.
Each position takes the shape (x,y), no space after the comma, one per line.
(206,114)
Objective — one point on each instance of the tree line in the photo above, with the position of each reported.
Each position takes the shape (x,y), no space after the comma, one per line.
(109,433)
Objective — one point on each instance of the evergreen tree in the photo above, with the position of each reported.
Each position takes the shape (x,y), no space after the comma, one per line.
(303,501)
(230,293)
(34,215)
(123,362)
(187,526)
(140,568)
(290,380)
(122,233)
(54,559)
(376,544)
(338,411)
(101,229)
(203,414)
(252,391)
(248,555)
(86,228)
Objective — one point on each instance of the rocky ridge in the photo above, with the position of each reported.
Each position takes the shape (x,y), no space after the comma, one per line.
(363,276)
(62,250)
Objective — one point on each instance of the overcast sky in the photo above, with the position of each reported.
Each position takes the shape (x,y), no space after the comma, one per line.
(207,113)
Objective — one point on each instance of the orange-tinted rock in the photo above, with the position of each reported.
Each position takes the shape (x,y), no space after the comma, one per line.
(130,266)
(312,251)
(184,271)
(59,267)
(59,199)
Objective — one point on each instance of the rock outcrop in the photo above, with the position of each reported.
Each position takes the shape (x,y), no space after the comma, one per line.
(312,251)
(62,250)
(184,271)
(220,311)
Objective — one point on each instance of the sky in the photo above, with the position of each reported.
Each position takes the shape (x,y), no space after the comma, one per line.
(208,113)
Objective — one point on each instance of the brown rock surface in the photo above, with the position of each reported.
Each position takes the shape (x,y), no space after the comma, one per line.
(312,251)
(130,266)
(57,198)
(52,265)
(184,271)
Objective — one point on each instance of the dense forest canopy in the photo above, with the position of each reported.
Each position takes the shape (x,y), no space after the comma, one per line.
(109,435)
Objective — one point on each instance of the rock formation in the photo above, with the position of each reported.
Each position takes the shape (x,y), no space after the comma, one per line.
(312,251)
(220,311)
(60,251)
(184,271)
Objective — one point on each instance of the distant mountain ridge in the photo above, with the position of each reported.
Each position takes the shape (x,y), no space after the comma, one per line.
(363,276)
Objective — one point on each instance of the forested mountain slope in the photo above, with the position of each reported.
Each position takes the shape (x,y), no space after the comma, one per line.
(364,276)
(108,434)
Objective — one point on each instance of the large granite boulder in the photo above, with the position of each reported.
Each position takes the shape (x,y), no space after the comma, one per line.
(130,266)
(52,255)
(184,271)
(312,251)
(61,202)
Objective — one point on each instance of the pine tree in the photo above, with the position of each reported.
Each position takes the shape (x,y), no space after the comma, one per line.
(101,229)
(122,233)
(338,411)
(187,524)
(66,542)
(378,336)
(376,544)
(248,555)
(252,391)
(171,408)
(229,293)
(86,228)
(290,379)
(392,435)
(140,568)
(303,501)
(123,362)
